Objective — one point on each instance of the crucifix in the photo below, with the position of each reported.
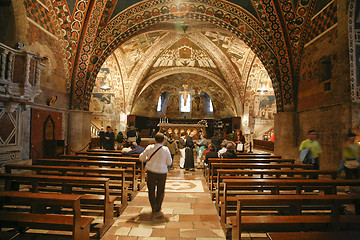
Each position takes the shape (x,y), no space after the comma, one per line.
(185,93)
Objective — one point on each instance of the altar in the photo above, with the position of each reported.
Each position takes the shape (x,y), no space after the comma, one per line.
(177,128)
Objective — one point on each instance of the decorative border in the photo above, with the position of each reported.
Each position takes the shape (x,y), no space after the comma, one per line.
(119,31)
(353,41)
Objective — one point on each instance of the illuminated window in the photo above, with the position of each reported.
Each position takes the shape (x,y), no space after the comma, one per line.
(211,108)
(159,105)
(185,103)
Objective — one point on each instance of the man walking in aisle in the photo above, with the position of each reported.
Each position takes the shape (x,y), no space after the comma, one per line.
(157,158)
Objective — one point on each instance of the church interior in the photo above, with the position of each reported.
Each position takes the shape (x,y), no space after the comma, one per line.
(273,69)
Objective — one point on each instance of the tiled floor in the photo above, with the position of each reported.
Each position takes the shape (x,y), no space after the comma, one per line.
(188,212)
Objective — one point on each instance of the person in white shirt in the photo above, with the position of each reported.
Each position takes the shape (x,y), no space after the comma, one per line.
(223,148)
(157,158)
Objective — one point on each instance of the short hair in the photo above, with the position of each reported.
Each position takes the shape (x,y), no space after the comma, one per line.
(183,134)
(159,137)
(311,131)
(229,146)
(212,148)
(108,127)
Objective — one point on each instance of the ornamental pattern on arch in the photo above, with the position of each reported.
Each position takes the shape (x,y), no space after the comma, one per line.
(354,49)
(127,28)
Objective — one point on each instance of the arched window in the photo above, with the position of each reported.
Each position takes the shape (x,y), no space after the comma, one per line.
(161,106)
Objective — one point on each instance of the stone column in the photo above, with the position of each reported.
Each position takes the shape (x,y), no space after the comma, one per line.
(79,134)
(284,128)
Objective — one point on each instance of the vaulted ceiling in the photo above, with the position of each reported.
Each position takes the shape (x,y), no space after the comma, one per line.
(235,42)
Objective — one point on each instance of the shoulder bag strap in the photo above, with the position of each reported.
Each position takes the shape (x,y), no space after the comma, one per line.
(154,153)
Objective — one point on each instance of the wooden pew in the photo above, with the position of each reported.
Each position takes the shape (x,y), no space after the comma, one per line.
(259,156)
(67,183)
(139,167)
(106,153)
(241,160)
(252,154)
(111,173)
(215,166)
(272,174)
(36,219)
(234,186)
(331,235)
(295,217)
(128,166)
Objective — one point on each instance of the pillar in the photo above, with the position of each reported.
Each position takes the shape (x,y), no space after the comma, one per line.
(79,134)
(284,128)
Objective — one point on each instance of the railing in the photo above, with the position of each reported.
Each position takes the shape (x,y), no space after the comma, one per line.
(94,131)
(19,76)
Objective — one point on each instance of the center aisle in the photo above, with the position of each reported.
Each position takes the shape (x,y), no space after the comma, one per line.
(188,211)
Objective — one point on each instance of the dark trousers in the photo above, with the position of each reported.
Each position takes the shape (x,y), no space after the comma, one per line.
(316,167)
(172,162)
(102,144)
(156,188)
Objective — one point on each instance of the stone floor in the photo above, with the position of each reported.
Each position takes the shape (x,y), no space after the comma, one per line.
(188,211)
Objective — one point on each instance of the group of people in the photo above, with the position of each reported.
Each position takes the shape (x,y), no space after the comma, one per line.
(310,151)
(107,139)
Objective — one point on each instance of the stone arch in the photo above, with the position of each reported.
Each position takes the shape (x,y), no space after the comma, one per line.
(124,26)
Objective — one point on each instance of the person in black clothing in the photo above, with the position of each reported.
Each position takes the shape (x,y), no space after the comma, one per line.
(102,138)
(211,154)
(138,138)
(131,136)
(189,152)
(216,141)
(153,132)
(230,153)
(109,139)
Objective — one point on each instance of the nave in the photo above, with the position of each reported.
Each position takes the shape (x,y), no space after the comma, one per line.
(189,212)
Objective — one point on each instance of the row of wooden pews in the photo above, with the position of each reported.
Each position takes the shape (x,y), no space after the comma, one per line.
(78,186)
(257,194)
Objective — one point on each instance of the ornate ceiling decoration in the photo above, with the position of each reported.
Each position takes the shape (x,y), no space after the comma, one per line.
(90,31)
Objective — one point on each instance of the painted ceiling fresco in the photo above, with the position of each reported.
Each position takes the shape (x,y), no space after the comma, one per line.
(225,40)
(174,85)
(195,60)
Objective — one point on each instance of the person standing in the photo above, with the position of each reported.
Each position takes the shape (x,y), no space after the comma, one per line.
(131,135)
(216,141)
(109,139)
(350,159)
(157,158)
(240,141)
(102,138)
(182,144)
(153,132)
(173,147)
(201,148)
(189,152)
(314,147)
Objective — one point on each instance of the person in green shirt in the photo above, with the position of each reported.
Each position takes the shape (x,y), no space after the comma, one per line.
(350,151)
(314,147)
